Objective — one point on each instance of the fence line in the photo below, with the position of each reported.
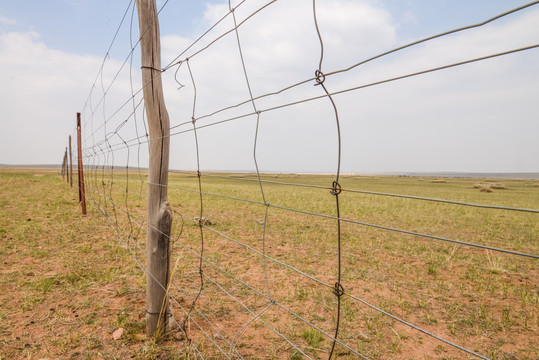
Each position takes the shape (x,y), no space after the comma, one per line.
(108,181)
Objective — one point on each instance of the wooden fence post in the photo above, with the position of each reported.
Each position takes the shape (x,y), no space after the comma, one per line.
(64,165)
(70,164)
(62,170)
(82,196)
(159,213)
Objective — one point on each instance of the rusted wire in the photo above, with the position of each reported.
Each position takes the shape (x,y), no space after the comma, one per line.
(336,187)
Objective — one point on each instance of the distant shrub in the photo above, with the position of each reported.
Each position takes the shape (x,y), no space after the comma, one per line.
(489,187)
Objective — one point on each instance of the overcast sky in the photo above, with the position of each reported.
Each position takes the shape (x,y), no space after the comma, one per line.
(480,117)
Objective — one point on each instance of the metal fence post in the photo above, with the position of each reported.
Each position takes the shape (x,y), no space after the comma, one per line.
(82,196)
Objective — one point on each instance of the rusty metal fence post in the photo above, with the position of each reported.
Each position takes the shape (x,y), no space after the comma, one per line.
(82,196)
(70,164)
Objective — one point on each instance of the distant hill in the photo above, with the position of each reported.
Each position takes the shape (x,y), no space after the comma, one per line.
(447,174)
(59,166)
(515,175)
(33,166)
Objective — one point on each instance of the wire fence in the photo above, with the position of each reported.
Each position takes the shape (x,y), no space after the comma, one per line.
(279,265)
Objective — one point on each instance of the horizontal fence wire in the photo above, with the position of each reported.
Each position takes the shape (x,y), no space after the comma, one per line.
(286,265)
(119,197)
(118,146)
(367,224)
(294,269)
(177,61)
(496,207)
(125,243)
(128,58)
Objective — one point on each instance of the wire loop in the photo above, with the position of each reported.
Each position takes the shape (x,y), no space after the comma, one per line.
(336,188)
(338,290)
(320,77)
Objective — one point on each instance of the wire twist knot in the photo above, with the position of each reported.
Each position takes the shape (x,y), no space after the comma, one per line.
(338,290)
(320,77)
(336,188)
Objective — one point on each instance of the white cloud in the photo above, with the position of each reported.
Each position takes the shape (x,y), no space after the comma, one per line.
(7,21)
(42,89)
(449,120)
(478,117)
(280,47)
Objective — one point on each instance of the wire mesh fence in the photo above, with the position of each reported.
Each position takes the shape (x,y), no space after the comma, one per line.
(275,264)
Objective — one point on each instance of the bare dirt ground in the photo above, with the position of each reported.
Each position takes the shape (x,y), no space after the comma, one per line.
(66,285)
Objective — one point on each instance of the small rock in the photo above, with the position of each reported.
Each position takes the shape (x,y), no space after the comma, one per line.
(364,336)
(117,334)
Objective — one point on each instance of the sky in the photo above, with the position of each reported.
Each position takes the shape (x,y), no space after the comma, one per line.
(55,61)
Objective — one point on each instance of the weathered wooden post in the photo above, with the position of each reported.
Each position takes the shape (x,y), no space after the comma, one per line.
(82,196)
(64,165)
(159,213)
(70,164)
(62,170)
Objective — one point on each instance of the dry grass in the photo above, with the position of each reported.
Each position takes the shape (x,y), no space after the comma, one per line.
(66,283)
(483,300)
(490,187)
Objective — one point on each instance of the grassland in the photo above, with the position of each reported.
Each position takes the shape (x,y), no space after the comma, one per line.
(66,284)
(483,300)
